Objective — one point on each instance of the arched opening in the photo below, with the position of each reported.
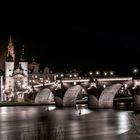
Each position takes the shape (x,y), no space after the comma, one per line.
(45,96)
(107,96)
(73,95)
(115,95)
(82,97)
(123,98)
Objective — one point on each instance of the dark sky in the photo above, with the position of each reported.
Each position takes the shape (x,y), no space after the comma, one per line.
(81,38)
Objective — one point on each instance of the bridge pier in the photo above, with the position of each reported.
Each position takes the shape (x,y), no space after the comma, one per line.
(136,99)
(93,98)
(58,97)
(58,101)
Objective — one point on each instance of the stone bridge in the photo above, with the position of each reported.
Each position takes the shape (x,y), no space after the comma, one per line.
(101,91)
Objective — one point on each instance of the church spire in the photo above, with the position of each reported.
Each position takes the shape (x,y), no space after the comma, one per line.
(10,54)
(10,42)
(22,51)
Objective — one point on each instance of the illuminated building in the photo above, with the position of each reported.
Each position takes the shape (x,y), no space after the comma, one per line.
(20,77)
(16,75)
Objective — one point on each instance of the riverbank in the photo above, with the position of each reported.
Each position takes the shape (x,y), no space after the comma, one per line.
(20,104)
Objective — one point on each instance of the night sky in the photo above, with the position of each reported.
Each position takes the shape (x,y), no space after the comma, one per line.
(75,38)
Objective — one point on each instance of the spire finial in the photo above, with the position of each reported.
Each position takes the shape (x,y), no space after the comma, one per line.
(10,41)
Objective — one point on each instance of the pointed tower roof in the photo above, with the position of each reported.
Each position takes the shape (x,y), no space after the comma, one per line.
(10,53)
(10,45)
(10,42)
(9,58)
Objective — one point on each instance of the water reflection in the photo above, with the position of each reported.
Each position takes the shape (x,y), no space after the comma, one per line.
(82,109)
(123,122)
(135,130)
(37,123)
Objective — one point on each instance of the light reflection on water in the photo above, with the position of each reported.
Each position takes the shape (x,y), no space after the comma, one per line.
(51,123)
(82,109)
(123,120)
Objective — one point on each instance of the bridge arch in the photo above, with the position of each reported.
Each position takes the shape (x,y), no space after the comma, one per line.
(108,94)
(71,94)
(44,96)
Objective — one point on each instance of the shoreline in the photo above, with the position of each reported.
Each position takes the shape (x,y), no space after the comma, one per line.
(22,104)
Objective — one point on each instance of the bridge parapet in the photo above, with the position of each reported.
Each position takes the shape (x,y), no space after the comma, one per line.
(84,79)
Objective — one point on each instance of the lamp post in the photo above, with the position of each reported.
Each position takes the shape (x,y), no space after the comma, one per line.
(105,73)
(97,73)
(135,71)
(111,73)
(90,73)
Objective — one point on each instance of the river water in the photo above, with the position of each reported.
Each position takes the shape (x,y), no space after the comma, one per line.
(77,123)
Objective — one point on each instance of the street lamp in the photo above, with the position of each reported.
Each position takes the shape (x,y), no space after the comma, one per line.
(97,73)
(75,75)
(111,73)
(61,75)
(105,73)
(90,73)
(135,71)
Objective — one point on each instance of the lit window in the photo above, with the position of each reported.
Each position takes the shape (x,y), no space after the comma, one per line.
(90,73)
(74,83)
(62,75)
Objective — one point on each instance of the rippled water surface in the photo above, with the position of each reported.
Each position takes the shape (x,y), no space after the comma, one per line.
(77,123)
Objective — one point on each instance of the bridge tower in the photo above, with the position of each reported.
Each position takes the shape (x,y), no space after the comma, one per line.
(24,65)
(9,66)
(16,75)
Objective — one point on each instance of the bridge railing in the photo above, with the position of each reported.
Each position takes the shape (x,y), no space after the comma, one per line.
(80,79)
(86,79)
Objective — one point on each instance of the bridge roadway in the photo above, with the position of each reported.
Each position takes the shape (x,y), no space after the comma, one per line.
(86,79)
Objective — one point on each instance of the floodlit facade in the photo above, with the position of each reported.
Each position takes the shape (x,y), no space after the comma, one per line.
(20,77)
(16,75)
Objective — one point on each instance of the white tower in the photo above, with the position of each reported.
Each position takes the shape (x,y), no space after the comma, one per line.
(24,65)
(9,66)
